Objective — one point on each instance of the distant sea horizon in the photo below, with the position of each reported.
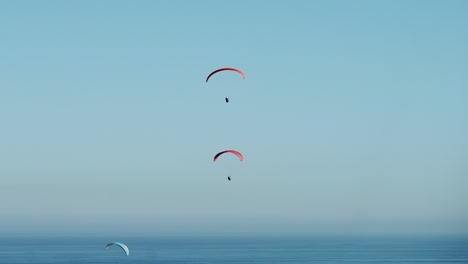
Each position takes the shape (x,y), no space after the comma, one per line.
(236,249)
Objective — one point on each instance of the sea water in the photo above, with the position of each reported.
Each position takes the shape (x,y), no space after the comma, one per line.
(238,250)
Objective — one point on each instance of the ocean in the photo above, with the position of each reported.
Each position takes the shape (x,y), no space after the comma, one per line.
(237,250)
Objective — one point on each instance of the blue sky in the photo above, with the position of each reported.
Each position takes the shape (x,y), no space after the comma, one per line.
(352,117)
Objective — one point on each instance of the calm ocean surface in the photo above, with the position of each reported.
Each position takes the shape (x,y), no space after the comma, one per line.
(238,250)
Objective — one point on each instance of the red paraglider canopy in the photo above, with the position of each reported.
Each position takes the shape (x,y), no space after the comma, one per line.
(226,69)
(237,153)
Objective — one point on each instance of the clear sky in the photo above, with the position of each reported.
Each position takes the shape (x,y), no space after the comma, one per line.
(352,118)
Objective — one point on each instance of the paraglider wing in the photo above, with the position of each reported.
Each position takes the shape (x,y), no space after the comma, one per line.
(226,69)
(121,245)
(237,153)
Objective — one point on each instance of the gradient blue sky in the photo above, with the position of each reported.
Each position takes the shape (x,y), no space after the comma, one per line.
(353,117)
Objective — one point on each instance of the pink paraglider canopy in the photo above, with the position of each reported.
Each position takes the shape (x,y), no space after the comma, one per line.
(237,153)
(226,69)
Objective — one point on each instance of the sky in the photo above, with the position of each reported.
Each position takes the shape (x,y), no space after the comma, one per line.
(352,118)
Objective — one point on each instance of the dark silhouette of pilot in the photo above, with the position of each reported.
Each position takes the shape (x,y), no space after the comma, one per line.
(229,177)
(227,100)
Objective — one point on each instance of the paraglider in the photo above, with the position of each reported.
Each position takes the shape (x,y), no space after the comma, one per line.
(237,153)
(225,69)
(121,245)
